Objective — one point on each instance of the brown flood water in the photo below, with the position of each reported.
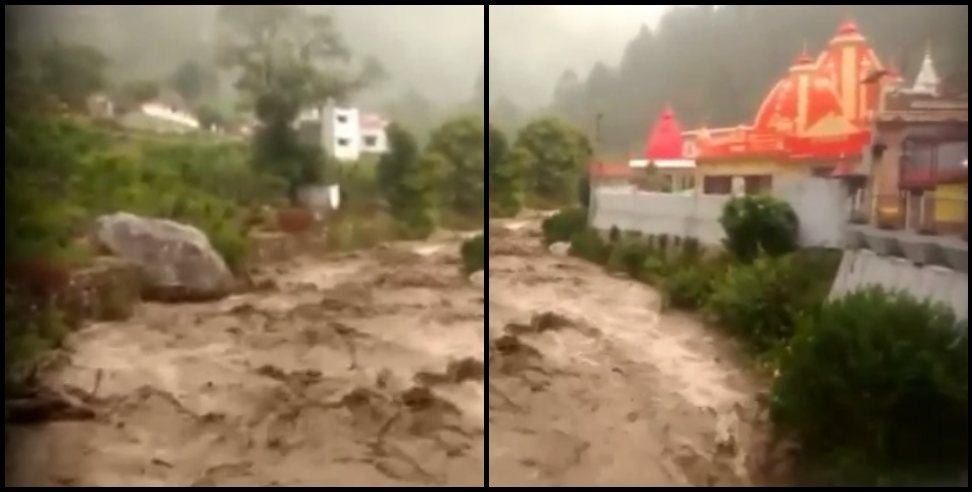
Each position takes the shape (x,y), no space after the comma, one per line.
(367,369)
(591,385)
(363,369)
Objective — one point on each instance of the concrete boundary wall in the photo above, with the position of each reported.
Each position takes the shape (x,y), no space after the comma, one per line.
(822,205)
(660,213)
(863,268)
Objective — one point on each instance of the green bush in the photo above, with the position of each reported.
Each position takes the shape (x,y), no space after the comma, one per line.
(761,302)
(663,243)
(474,254)
(876,390)
(353,230)
(588,245)
(564,225)
(614,234)
(655,268)
(32,327)
(759,224)
(691,250)
(229,240)
(584,190)
(690,285)
(628,255)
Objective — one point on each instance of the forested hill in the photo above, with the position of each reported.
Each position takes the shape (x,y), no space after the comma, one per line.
(715,65)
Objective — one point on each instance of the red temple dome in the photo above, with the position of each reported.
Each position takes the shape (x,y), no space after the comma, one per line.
(665,141)
(798,102)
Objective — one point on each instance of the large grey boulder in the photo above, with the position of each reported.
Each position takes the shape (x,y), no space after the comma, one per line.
(176,261)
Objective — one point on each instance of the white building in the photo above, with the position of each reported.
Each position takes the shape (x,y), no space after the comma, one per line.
(348,133)
(170,114)
(166,115)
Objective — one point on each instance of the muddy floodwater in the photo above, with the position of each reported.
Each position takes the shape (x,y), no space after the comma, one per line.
(591,384)
(368,369)
(361,369)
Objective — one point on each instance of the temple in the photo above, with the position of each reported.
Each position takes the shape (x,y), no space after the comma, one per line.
(815,121)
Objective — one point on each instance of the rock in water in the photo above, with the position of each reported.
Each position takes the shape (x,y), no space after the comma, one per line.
(560,249)
(176,261)
(478,278)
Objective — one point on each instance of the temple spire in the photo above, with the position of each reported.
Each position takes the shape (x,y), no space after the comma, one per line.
(927,80)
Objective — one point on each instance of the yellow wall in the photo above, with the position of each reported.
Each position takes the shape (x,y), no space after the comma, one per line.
(950,202)
(750,168)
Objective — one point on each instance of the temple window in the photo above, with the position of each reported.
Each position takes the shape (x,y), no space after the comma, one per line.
(717,185)
(756,185)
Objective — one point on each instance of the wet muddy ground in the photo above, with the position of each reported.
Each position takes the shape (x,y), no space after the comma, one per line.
(361,369)
(590,384)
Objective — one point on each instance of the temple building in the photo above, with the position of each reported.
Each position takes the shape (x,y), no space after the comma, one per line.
(815,121)
(664,160)
(917,174)
(662,167)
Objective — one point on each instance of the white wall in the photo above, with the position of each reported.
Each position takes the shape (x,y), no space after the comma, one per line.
(381,140)
(863,268)
(344,136)
(342,133)
(320,198)
(166,113)
(660,213)
(821,205)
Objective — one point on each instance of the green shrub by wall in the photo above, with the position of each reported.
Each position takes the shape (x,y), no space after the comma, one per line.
(760,224)
(762,301)
(875,388)
(564,224)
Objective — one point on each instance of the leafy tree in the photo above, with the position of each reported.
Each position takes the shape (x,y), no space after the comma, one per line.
(287,59)
(72,72)
(462,142)
(210,116)
(139,91)
(506,175)
(192,80)
(559,154)
(411,183)
(402,154)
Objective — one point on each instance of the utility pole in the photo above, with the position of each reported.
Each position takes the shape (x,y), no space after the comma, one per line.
(591,195)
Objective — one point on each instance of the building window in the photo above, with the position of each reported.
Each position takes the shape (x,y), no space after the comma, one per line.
(343,142)
(756,185)
(717,185)
(371,141)
(688,182)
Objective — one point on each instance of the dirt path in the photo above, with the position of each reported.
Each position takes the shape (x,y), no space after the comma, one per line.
(360,370)
(590,385)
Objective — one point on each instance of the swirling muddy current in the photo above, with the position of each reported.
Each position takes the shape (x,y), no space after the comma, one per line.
(359,369)
(592,383)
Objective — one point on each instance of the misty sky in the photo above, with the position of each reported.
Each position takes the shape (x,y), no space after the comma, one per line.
(538,42)
(438,50)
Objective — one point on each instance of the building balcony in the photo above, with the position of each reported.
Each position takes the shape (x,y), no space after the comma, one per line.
(926,228)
